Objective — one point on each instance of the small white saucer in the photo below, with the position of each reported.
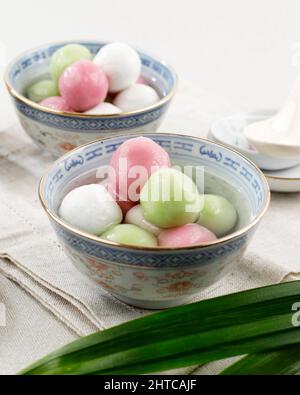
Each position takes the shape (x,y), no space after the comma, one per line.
(287,180)
(230,131)
(227,131)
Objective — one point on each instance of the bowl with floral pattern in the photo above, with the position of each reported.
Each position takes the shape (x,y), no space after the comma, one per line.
(158,277)
(58,131)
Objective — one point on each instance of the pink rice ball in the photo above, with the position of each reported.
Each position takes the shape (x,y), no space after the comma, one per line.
(56,103)
(184,236)
(139,153)
(83,85)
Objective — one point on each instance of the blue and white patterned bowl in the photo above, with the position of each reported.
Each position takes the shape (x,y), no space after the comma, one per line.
(158,277)
(57,131)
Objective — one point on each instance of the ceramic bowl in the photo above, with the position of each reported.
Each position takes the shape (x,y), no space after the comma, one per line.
(158,277)
(57,131)
(229,131)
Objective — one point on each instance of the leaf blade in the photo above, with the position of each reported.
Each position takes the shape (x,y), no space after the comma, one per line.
(283,361)
(236,324)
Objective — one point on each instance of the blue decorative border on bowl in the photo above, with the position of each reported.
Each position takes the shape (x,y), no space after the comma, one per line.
(91,124)
(238,169)
(153,259)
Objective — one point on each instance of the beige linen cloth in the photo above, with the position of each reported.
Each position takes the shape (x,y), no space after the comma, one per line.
(32,258)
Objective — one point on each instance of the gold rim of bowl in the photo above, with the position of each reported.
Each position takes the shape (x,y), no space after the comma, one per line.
(282,178)
(86,235)
(37,106)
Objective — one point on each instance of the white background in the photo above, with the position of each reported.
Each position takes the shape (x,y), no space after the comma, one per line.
(245,52)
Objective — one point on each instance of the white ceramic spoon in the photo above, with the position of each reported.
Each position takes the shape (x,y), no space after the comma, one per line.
(279,135)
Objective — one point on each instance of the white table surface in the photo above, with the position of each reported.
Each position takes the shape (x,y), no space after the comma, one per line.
(245,52)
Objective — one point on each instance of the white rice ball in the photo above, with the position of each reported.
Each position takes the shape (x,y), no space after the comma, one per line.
(121,64)
(136,217)
(90,208)
(135,97)
(104,109)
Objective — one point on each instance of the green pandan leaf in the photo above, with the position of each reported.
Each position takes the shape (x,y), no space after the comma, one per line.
(284,361)
(247,322)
